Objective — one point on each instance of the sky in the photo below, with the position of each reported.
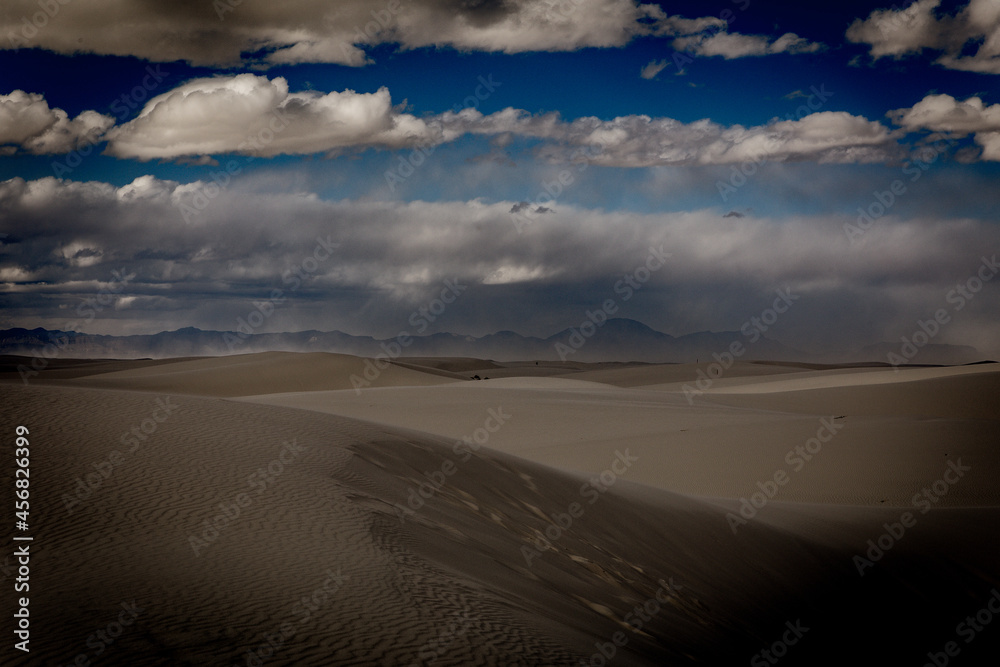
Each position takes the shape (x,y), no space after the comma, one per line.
(502,165)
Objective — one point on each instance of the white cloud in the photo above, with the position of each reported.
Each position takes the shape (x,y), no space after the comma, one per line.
(224,33)
(393,255)
(296,31)
(524,25)
(27,123)
(652,68)
(256,116)
(709,36)
(642,141)
(735,45)
(674,26)
(990,141)
(943,113)
(901,32)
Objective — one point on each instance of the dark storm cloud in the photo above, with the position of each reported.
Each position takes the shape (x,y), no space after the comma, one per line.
(365,266)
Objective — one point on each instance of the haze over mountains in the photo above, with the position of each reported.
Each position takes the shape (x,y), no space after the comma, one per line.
(616,339)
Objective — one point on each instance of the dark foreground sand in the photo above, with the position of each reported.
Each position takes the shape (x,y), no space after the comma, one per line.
(328,554)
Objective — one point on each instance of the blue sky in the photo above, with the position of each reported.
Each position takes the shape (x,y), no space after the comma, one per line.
(712,128)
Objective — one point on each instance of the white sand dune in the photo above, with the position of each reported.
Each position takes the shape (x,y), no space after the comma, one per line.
(848,377)
(410,550)
(248,374)
(658,374)
(719,450)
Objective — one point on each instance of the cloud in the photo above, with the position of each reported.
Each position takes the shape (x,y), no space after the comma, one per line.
(652,68)
(735,45)
(943,113)
(709,36)
(525,208)
(256,116)
(394,256)
(27,123)
(226,32)
(902,32)
(642,141)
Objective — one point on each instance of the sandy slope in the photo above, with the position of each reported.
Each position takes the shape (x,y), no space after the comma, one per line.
(461,575)
(887,442)
(248,374)
(451,580)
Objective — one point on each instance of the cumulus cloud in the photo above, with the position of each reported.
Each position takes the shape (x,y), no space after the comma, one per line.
(224,33)
(642,141)
(652,68)
(257,116)
(227,33)
(28,123)
(943,113)
(901,32)
(253,115)
(735,45)
(709,36)
(393,257)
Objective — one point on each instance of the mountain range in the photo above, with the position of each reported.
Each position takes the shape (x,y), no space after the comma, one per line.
(616,339)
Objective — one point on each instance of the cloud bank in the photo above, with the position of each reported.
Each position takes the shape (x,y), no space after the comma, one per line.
(253,115)
(225,33)
(257,116)
(27,122)
(902,32)
(943,113)
(392,256)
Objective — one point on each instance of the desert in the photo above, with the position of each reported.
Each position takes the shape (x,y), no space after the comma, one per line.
(569,516)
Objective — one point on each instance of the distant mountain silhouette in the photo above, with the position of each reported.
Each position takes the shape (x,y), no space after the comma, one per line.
(616,339)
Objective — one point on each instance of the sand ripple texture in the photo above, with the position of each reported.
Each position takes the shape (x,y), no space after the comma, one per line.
(320,567)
